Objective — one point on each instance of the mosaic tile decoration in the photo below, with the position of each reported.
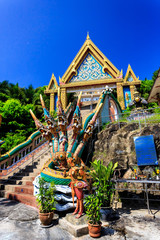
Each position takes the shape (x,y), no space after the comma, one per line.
(90,69)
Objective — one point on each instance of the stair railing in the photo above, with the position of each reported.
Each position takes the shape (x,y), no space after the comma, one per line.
(21,153)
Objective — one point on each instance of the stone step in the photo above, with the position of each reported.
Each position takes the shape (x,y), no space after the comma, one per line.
(23,198)
(28,178)
(24,189)
(2,193)
(20,182)
(34,174)
(19,186)
(36,170)
(10,188)
(27,182)
(1,186)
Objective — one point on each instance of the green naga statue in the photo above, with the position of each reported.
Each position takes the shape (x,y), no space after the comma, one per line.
(66,143)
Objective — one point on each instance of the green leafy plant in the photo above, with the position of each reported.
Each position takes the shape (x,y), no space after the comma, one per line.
(102,180)
(105,125)
(46,196)
(92,206)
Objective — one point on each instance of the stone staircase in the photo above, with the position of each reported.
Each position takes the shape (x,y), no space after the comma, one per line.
(19,185)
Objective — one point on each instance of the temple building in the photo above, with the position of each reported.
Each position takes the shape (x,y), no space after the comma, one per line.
(90,72)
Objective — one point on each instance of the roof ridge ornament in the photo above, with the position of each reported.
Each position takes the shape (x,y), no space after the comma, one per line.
(88,37)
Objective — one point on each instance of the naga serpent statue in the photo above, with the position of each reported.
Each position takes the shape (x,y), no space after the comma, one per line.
(66,143)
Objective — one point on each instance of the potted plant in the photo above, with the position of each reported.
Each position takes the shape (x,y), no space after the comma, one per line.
(92,207)
(46,201)
(102,181)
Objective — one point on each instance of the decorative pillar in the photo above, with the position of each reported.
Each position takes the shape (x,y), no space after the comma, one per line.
(51,102)
(132,91)
(64,97)
(120,95)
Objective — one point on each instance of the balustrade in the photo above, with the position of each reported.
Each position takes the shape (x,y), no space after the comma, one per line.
(20,155)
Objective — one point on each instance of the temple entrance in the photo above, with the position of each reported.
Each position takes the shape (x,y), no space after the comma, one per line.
(90,72)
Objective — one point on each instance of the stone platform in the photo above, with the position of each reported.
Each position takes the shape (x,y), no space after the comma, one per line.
(77,227)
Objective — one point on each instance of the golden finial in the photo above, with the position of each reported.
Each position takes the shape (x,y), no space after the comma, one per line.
(88,37)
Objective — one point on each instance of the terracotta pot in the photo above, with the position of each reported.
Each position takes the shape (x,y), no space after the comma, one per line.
(94,229)
(46,218)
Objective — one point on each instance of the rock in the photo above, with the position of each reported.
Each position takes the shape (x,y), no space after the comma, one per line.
(73,220)
(128,174)
(77,227)
(118,225)
(116,143)
(149,217)
(108,214)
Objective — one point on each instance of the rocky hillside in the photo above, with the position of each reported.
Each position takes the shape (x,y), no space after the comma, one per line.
(116,143)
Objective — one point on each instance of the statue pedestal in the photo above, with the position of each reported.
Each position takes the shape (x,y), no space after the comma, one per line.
(77,227)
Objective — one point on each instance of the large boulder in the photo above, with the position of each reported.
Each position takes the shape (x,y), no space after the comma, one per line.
(116,143)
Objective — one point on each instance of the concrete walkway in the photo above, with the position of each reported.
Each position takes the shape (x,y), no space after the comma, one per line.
(21,222)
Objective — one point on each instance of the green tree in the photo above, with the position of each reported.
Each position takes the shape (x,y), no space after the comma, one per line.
(12,140)
(37,103)
(29,92)
(155,74)
(16,121)
(15,103)
(17,93)
(4,91)
(145,88)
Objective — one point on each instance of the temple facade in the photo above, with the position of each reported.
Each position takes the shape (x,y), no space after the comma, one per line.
(90,72)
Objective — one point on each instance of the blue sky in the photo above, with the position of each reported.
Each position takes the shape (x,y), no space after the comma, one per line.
(41,37)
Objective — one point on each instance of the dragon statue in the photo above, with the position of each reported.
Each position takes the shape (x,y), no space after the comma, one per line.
(66,143)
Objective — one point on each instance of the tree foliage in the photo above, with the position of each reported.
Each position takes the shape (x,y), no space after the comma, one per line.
(155,74)
(146,86)
(15,102)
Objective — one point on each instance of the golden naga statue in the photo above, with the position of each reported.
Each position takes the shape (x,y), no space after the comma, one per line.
(66,166)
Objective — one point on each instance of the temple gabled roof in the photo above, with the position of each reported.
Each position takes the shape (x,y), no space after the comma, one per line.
(53,85)
(130,76)
(87,61)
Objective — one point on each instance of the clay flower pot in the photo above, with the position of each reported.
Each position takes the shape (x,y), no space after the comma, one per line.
(46,218)
(94,229)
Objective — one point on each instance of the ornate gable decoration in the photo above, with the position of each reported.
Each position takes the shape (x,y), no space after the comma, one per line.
(53,85)
(89,64)
(90,69)
(130,76)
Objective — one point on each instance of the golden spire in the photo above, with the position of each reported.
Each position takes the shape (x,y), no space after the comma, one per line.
(88,37)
